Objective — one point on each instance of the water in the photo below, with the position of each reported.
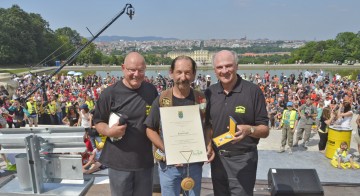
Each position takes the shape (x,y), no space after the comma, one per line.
(165,73)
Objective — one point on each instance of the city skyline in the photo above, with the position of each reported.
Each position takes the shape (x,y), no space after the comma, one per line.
(203,19)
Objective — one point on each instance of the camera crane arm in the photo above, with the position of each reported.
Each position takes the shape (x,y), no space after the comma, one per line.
(130,11)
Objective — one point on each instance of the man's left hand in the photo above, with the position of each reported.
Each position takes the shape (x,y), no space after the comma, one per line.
(241,133)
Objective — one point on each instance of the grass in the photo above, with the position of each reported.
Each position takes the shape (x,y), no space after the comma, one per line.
(14,71)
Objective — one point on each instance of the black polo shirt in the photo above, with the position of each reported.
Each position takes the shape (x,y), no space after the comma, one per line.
(245,103)
(134,151)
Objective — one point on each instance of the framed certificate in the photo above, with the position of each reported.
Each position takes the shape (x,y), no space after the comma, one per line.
(183,134)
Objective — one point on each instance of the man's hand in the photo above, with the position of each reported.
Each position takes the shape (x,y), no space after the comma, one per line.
(242,132)
(159,155)
(210,154)
(117,130)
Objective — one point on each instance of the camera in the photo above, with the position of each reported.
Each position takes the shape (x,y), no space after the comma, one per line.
(122,119)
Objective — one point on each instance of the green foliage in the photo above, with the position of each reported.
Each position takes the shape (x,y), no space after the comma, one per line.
(345,47)
(15,71)
(25,38)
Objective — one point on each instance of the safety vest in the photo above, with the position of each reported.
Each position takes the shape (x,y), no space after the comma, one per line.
(90,104)
(292,118)
(338,154)
(67,105)
(52,108)
(32,108)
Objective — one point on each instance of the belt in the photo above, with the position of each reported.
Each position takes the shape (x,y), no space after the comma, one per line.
(227,153)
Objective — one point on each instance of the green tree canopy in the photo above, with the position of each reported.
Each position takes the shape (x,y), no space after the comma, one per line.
(345,47)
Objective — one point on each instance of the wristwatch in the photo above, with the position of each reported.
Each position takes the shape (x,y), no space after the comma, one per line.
(252,130)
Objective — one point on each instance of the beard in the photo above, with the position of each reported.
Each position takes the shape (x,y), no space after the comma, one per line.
(182,83)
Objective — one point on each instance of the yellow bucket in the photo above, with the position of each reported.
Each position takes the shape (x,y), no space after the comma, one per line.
(336,135)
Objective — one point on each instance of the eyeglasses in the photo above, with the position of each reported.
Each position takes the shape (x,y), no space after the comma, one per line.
(133,71)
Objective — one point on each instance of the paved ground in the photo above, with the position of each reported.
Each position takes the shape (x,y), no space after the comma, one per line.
(334,181)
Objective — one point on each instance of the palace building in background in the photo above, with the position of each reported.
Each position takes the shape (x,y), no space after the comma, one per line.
(200,56)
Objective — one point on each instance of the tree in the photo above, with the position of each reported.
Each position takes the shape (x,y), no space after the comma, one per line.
(24,38)
(87,55)
(16,38)
(151,59)
(69,39)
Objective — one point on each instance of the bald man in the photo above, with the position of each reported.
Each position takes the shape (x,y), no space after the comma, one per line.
(129,157)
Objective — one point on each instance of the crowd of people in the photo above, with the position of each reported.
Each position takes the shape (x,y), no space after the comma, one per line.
(297,104)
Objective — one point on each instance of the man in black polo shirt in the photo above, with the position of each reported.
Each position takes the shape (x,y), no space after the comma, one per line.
(233,170)
(129,159)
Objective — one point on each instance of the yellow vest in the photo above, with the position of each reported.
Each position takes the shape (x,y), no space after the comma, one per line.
(30,107)
(52,108)
(292,118)
(90,104)
(67,105)
(337,154)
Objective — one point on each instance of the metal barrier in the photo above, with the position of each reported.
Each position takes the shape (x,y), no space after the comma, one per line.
(47,162)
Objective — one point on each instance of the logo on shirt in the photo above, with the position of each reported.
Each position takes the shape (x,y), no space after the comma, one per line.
(148,108)
(165,102)
(240,109)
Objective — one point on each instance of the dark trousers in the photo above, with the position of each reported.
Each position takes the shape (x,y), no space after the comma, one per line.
(10,124)
(41,119)
(135,183)
(234,175)
(53,119)
(323,140)
(45,118)
(19,124)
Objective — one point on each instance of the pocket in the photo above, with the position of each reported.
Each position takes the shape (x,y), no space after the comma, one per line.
(162,166)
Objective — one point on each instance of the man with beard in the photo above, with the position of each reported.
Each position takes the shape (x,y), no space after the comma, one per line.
(183,72)
(130,158)
(233,170)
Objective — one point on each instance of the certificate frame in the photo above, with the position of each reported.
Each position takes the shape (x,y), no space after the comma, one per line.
(183,134)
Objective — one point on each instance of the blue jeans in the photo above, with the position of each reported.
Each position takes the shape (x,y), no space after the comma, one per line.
(59,117)
(171,177)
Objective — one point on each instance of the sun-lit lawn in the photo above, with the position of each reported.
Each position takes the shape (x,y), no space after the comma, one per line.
(14,71)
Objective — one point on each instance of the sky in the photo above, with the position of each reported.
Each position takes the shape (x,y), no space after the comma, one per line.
(203,19)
